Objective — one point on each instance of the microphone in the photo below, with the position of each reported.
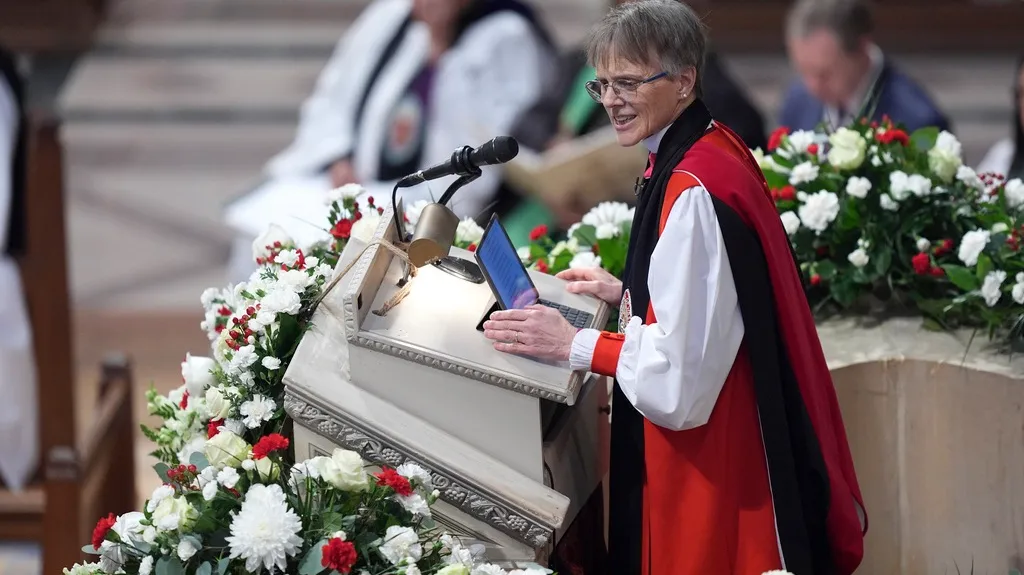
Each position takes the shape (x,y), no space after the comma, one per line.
(466,161)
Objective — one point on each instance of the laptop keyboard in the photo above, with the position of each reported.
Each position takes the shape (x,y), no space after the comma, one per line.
(576,318)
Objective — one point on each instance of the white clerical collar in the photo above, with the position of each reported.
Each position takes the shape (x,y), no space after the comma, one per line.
(654,141)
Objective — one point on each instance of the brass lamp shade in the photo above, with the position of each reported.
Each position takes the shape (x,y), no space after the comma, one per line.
(435,232)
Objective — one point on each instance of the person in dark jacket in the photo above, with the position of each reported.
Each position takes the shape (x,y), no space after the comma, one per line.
(844,75)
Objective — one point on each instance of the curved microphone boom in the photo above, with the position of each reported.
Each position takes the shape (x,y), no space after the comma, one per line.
(464,162)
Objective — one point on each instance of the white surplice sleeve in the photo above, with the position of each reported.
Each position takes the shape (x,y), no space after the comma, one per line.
(672,371)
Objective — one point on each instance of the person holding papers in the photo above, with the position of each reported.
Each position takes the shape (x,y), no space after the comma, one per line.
(728,449)
(410,82)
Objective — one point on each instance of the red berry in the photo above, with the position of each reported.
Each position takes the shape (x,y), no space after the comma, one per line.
(191,468)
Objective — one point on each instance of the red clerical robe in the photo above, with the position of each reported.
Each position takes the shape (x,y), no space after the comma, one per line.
(767,482)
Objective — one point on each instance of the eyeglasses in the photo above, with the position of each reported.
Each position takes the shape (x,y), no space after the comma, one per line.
(623,88)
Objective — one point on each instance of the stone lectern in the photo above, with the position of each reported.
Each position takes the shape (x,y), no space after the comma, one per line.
(511,442)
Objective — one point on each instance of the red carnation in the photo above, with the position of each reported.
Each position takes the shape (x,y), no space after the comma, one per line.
(775,140)
(938,272)
(342,229)
(184,400)
(339,555)
(893,135)
(812,149)
(269,444)
(103,526)
(542,266)
(213,428)
(922,262)
(472,247)
(787,193)
(538,232)
(390,478)
(815,280)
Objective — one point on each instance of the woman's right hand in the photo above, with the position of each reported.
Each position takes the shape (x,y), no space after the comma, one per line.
(342,172)
(593,281)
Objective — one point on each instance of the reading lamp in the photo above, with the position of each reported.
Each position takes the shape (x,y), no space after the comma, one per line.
(435,229)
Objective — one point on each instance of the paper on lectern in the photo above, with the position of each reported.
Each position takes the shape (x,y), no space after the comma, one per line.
(594,166)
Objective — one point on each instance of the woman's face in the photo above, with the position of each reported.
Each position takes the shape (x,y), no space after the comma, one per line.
(438,12)
(640,109)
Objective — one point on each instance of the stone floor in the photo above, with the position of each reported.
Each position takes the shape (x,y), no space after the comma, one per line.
(182,101)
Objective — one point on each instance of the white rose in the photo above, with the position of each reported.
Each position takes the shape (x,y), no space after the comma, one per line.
(272,235)
(923,244)
(858,187)
(468,231)
(803,173)
(990,288)
(887,203)
(1013,191)
(400,543)
(226,450)
(790,221)
(819,210)
(945,157)
(218,406)
(971,246)
(197,372)
(858,257)
(344,470)
(186,549)
(174,513)
(848,149)
(364,228)
(585,260)
(268,470)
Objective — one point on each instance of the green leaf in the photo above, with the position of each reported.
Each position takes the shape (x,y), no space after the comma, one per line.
(931,324)
(586,235)
(984,266)
(205,569)
(961,277)
(826,269)
(843,292)
(312,563)
(199,460)
(90,550)
(775,179)
(161,470)
(882,260)
(222,566)
(169,566)
(924,138)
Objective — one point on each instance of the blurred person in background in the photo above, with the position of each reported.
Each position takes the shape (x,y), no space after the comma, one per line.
(1007,156)
(567,111)
(18,411)
(843,73)
(411,81)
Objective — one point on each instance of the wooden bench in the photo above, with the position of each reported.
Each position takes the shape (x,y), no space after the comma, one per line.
(87,468)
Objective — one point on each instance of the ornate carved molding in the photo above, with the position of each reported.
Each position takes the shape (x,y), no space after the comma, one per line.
(436,362)
(454,490)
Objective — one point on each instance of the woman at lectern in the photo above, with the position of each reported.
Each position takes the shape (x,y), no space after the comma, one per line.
(411,81)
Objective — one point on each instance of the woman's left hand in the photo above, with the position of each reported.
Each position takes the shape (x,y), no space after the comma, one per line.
(536,331)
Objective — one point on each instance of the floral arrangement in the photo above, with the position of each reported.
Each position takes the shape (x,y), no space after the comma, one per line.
(879,220)
(233,501)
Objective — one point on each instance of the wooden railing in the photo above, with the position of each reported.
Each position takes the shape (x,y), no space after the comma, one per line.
(87,470)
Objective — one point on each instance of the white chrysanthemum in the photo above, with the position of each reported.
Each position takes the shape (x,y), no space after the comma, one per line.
(800,140)
(257,410)
(146,565)
(265,531)
(971,246)
(803,173)
(858,187)
(887,203)
(991,287)
(400,543)
(241,360)
(468,231)
(416,474)
(83,569)
(271,363)
(819,210)
(585,260)
(615,213)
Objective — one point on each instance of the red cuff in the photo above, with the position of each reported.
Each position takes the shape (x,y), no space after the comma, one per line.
(606,353)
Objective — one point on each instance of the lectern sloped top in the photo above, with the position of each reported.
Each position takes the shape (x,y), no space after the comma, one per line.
(436,323)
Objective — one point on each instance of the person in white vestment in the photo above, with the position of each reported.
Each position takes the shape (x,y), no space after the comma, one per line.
(1007,156)
(19,434)
(411,81)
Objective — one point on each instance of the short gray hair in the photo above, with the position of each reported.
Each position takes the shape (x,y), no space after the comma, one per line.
(849,20)
(665,32)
